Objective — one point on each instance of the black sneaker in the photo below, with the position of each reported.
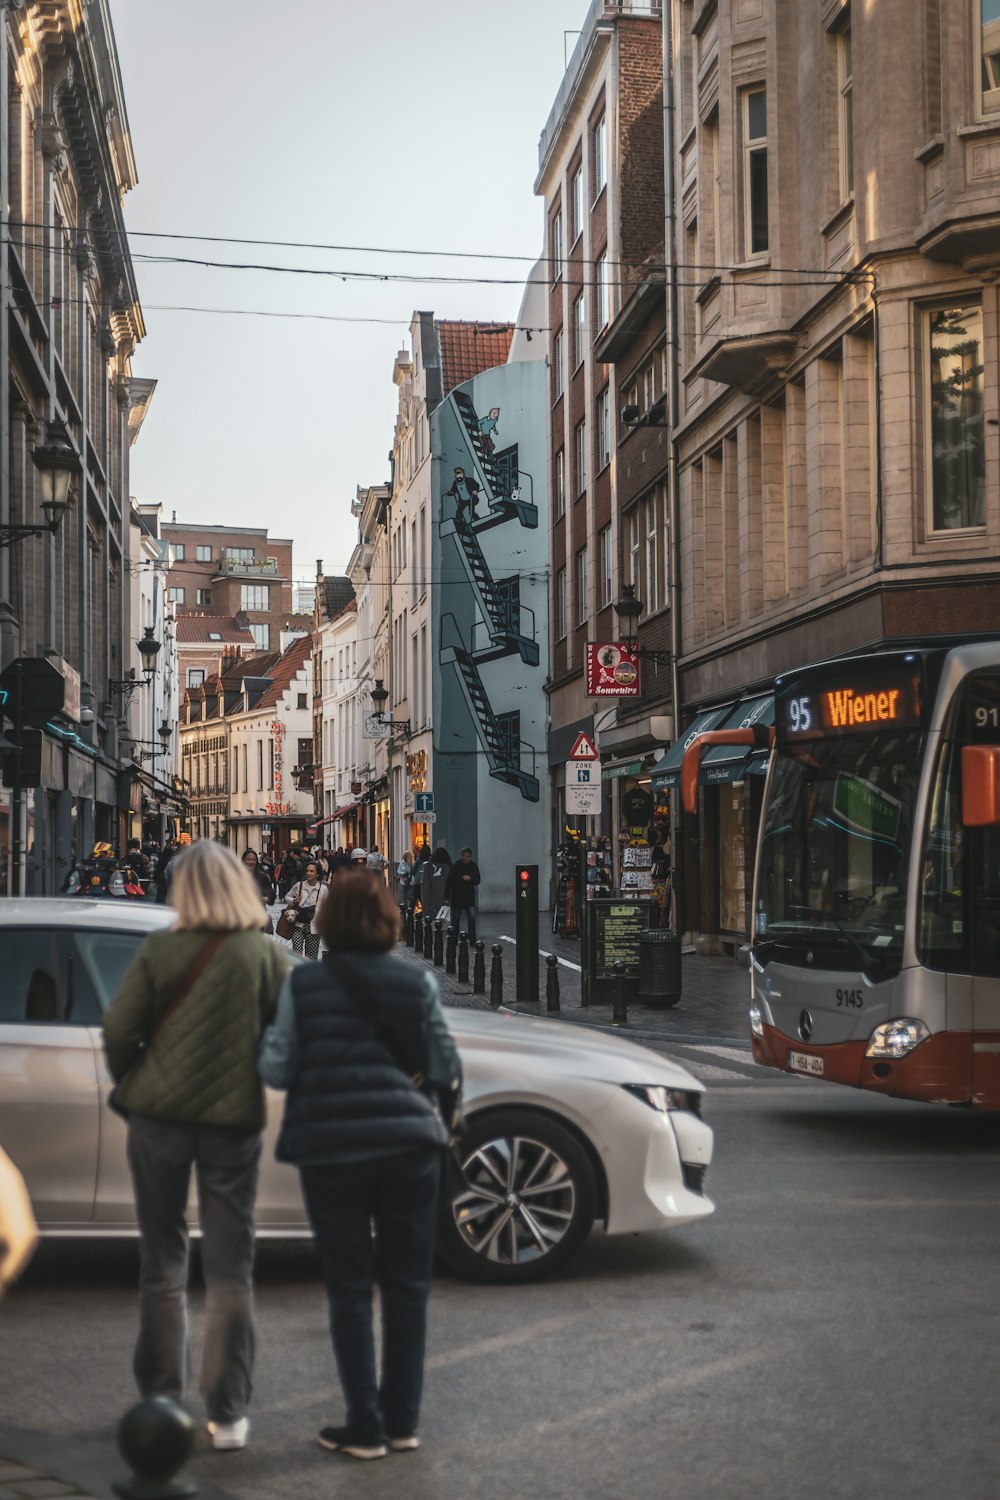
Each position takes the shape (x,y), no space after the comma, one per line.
(403,1442)
(339,1440)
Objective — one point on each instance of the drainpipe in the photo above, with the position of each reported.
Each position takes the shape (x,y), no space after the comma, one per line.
(673,373)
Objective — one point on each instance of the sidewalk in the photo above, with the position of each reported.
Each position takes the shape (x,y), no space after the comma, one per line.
(44,1466)
(714,1001)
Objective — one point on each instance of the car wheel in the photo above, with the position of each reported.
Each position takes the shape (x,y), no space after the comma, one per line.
(524,1202)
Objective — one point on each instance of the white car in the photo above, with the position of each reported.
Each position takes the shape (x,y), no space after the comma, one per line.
(565,1125)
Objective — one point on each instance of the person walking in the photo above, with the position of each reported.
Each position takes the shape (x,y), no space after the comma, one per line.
(303,900)
(433,879)
(181,1036)
(376,860)
(352,1036)
(404,879)
(460,893)
(263,883)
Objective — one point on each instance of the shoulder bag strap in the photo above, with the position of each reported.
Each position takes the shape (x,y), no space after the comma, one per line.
(355,994)
(192,976)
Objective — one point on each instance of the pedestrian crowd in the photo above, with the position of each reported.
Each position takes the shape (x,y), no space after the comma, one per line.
(210,1011)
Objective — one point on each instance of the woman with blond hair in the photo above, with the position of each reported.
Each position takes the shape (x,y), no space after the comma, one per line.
(181,1036)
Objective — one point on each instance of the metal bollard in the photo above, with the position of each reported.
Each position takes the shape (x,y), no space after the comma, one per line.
(439,943)
(156,1438)
(428,937)
(408,927)
(418,931)
(496,977)
(449,951)
(619,1013)
(402,921)
(463,958)
(479,969)
(552,983)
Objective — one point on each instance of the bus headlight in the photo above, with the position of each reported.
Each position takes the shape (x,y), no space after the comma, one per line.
(896,1038)
(756,1021)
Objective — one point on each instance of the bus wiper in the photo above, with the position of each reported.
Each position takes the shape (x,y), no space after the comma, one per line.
(852,942)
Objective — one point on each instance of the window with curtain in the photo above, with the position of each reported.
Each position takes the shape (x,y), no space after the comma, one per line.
(954,405)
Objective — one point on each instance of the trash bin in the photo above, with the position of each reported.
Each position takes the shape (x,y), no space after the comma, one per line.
(659,967)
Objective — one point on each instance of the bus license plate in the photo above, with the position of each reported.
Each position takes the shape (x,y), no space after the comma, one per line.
(804,1062)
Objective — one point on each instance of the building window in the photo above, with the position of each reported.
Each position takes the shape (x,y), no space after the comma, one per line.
(580,458)
(604,564)
(178,549)
(576,206)
(261,637)
(600,156)
(203,596)
(239,554)
(604,428)
(634,556)
(577,350)
(989,54)
(560,620)
(557,247)
(559,484)
(651,580)
(176,596)
(254,596)
(195,677)
(302,701)
(955,418)
(845,80)
(203,554)
(601,290)
(755,228)
(582,589)
(558,365)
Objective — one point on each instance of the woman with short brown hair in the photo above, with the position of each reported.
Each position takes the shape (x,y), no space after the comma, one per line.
(356,1036)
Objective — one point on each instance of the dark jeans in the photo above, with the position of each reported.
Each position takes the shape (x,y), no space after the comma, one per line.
(469,913)
(161,1155)
(399,1195)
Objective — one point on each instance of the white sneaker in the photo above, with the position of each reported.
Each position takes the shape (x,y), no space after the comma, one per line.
(228,1436)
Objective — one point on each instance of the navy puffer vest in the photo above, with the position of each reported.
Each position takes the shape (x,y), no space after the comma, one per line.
(349,1095)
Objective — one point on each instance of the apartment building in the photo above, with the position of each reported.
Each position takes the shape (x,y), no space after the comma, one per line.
(230,570)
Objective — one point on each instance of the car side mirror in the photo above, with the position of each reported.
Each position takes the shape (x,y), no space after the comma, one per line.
(980,785)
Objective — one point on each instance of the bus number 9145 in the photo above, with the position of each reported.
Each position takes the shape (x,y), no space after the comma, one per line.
(850,998)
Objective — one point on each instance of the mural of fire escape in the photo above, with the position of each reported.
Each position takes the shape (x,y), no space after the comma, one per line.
(508,625)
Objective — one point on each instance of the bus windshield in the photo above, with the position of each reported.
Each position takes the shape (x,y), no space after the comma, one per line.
(835,850)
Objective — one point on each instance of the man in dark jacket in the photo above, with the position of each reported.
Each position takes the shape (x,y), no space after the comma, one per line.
(460,892)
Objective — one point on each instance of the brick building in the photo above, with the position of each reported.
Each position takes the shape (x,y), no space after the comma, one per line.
(230,570)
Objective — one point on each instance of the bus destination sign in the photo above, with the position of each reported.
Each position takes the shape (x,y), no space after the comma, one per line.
(816,707)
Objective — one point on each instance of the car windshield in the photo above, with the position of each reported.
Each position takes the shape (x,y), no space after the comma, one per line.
(835,848)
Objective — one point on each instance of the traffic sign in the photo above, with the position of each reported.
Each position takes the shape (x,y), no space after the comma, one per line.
(583,749)
(583,789)
(423,802)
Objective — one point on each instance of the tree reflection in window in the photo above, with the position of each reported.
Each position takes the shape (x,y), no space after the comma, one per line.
(956,417)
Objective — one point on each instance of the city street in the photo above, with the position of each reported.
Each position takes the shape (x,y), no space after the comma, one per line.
(828,1333)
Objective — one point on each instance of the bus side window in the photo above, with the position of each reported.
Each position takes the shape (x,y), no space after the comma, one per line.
(981,814)
(942,924)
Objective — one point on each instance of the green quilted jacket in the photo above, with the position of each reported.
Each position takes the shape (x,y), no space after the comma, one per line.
(201,1068)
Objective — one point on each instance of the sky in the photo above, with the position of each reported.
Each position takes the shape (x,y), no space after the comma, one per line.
(391,125)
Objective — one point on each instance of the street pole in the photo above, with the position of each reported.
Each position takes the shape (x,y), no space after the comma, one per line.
(15,795)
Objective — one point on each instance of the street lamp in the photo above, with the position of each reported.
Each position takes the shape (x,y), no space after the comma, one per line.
(380,697)
(628,609)
(149,650)
(56,461)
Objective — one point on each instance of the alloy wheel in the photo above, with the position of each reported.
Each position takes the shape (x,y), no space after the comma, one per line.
(518,1200)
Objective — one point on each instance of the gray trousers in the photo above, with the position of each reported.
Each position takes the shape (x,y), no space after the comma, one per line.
(161,1155)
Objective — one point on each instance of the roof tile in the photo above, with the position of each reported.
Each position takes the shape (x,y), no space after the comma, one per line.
(469,348)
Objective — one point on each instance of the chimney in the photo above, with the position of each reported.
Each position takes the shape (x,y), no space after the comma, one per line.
(319,570)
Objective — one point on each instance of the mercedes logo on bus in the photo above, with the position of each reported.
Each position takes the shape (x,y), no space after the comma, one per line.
(805,1025)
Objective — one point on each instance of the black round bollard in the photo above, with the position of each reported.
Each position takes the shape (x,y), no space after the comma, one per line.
(408,927)
(402,920)
(463,958)
(449,950)
(418,931)
(619,1013)
(439,943)
(479,969)
(428,936)
(552,983)
(496,977)
(156,1438)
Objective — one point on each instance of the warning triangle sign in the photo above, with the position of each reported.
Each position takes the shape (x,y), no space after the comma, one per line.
(583,749)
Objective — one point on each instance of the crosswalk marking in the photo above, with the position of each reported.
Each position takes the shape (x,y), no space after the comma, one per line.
(709,1073)
(730,1054)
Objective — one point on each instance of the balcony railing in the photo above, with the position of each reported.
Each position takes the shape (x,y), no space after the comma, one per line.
(260,567)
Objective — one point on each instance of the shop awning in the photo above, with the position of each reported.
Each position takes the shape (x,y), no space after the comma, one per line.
(321,822)
(722,763)
(667,771)
(342,812)
(618,769)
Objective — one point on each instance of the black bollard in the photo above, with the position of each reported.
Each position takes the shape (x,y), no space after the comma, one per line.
(449,951)
(408,927)
(402,921)
(428,936)
(155,1438)
(619,1013)
(439,943)
(463,958)
(552,983)
(479,969)
(496,977)
(418,931)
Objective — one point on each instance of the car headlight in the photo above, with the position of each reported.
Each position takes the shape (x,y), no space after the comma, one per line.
(662,1099)
(756,1021)
(896,1038)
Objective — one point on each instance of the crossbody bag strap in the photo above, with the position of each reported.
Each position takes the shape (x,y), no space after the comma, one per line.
(190,979)
(355,993)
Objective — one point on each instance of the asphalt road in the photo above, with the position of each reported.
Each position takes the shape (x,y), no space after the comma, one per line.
(831,1332)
